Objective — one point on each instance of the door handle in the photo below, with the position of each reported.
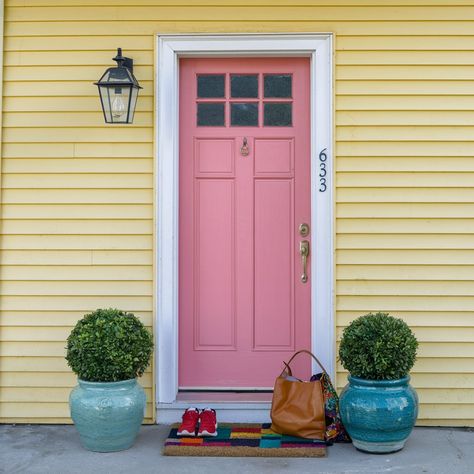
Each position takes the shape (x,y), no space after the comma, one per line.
(304,252)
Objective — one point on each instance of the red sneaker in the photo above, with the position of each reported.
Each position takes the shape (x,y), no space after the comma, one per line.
(208,423)
(189,424)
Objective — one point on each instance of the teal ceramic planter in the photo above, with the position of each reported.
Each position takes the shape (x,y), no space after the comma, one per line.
(379,414)
(107,415)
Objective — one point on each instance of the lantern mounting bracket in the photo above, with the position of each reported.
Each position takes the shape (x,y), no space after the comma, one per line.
(122,61)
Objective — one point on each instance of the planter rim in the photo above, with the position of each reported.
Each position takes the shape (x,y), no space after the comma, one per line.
(101,385)
(378,383)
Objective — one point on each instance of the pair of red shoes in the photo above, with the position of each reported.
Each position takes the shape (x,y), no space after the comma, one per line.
(202,423)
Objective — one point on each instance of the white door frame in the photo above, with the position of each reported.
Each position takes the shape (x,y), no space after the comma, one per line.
(170,48)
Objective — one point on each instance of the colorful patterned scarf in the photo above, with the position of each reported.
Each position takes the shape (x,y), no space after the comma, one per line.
(335,431)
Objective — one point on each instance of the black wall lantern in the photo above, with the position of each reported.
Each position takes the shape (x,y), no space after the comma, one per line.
(118,91)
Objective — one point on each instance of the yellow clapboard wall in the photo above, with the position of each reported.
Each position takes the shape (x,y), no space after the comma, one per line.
(78,229)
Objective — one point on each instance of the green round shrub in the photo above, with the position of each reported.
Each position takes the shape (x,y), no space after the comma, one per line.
(378,347)
(109,345)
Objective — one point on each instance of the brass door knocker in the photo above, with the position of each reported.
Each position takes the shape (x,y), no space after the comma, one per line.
(244,150)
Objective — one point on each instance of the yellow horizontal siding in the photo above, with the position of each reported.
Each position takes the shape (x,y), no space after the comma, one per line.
(406,195)
(404,241)
(77,273)
(108,26)
(77,257)
(77,150)
(78,195)
(273,3)
(405,73)
(72,288)
(423,334)
(400,226)
(53,318)
(72,242)
(364,302)
(407,273)
(76,211)
(67,302)
(78,165)
(63,104)
(458,257)
(27,349)
(236,12)
(77,181)
(67,120)
(404,102)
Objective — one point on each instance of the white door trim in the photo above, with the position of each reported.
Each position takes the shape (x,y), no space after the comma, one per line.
(169,49)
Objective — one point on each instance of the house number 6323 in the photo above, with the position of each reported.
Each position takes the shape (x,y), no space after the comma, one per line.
(322,171)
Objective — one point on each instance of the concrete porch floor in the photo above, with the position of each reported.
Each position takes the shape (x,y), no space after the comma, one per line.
(55,449)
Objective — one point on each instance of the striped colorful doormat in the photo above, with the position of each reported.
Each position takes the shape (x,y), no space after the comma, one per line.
(243,440)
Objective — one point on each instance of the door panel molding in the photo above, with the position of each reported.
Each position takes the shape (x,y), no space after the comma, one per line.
(169,49)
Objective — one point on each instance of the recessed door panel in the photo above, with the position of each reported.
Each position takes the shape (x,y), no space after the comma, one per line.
(274,263)
(214,156)
(274,156)
(214,301)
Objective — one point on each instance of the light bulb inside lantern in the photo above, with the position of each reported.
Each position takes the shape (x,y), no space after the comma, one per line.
(118,107)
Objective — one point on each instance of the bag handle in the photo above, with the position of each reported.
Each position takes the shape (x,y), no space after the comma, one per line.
(287,364)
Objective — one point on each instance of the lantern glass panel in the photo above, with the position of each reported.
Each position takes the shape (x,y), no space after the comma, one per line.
(133,103)
(117,102)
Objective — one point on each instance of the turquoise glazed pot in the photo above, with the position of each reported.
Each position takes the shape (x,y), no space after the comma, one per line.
(379,414)
(107,415)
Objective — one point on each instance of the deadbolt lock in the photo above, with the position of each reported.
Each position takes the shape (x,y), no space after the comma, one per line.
(304,229)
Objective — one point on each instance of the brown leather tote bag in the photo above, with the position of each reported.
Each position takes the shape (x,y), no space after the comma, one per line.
(298,406)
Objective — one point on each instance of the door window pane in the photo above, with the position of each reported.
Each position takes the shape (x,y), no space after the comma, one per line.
(277,115)
(244,114)
(211,85)
(243,85)
(210,114)
(277,85)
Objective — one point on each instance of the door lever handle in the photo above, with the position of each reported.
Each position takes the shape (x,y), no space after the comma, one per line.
(304,252)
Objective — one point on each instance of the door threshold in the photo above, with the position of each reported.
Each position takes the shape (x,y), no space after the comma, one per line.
(224,396)
(230,407)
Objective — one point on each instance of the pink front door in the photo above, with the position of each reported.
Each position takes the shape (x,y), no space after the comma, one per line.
(244,192)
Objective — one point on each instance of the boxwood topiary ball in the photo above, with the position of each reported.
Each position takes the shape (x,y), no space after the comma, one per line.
(109,345)
(378,347)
